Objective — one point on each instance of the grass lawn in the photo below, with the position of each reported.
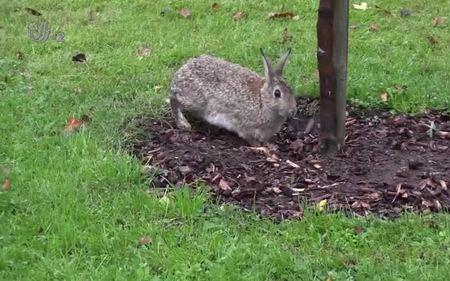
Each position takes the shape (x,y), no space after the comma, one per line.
(78,204)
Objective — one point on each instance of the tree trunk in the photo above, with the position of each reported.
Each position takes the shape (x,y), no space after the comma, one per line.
(332,53)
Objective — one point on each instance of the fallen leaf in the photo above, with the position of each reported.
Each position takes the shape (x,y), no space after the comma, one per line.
(143,51)
(373,27)
(432,40)
(79,57)
(224,186)
(321,205)
(363,6)
(444,134)
(283,15)
(384,96)
(74,124)
(358,230)
(385,11)
(360,205)
(185,13)
(239,15)
(144,240)
(297,17)
(215,6)
(33,12)
(438,21)
(6,186)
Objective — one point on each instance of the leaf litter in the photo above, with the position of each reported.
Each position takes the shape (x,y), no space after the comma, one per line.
(390,164)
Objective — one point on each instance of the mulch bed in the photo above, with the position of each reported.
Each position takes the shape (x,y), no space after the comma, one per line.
(390,164)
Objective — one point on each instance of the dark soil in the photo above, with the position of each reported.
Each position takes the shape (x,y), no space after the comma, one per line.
(390,164)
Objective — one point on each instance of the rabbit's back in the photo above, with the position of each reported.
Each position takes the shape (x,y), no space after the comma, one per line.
(208,79)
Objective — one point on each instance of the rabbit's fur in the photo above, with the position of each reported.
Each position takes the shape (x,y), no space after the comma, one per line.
(232,97)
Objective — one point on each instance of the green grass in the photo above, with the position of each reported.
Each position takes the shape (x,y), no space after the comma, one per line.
(78,204)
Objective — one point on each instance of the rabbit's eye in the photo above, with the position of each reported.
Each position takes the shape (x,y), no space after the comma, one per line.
(277,93)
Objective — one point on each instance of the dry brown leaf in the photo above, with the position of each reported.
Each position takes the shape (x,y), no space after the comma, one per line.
(444,134)
(239,15)
(185,13)
(224,185)
(144,240)
(386,12)
(432,40)
(6,186)
(358,230)
(143,51)
(384,96)
(438,21)
(282,15)
(360,205)
(74,124)
(373,27)
(215,6)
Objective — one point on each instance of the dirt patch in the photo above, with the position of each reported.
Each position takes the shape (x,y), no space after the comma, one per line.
(391,164)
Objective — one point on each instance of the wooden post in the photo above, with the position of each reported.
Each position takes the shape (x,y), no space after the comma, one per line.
(332,53)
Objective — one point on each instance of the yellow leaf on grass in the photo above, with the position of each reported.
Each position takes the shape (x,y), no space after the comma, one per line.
(363,6)
(384,97)
(321,205)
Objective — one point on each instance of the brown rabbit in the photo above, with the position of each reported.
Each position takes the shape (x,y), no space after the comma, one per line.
(232,97)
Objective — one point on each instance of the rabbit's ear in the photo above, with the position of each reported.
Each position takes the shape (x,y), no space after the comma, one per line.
(268,74)
(281,62)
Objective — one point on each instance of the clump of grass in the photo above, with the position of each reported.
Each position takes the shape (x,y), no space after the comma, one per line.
(78,204)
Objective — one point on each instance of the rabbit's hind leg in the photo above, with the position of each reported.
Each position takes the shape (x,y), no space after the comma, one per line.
(180,119)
